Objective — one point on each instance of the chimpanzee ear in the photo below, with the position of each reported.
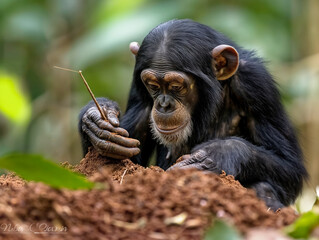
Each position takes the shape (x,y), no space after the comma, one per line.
(134,47)
(225,61)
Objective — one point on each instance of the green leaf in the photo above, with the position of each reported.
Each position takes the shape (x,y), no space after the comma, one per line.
(13,104)
(36,168)
(303,226)
(221,230)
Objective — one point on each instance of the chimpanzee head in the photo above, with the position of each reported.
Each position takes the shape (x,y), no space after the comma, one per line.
(178,69)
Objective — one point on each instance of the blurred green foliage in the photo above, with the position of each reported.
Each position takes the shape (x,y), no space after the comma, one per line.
(13,103)
(221,230)
(94,36)
(304,225)
(307,225)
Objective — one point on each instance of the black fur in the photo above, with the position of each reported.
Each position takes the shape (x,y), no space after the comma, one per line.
(239,121)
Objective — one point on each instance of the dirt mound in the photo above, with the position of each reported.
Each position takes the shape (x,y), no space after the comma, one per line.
(137,203)
(11,180)
(93,162)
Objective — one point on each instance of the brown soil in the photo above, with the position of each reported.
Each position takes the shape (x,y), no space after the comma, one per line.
(11,180)
(136,203)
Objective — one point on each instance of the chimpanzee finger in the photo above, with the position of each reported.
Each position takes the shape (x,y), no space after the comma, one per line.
(110,155)
(189,160)
(199,155)
(113,148)
(109,147)
(112,116)
(93,115)
(108,126)
(194,165)
(206,164)
(183,157)
(110,136)
(187,165)
(181,164)
(123,141)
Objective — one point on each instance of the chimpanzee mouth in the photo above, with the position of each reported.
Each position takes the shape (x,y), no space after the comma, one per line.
(168,131)
(171,135)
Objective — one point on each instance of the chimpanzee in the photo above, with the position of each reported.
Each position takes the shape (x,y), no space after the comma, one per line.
(197,95)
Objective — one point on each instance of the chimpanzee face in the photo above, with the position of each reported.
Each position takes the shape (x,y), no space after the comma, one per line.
(175,95)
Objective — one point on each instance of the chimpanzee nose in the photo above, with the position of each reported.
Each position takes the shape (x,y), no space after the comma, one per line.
(165,104)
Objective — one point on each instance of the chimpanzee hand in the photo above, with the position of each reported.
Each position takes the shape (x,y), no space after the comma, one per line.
(106,136)
(199,160)
(216,155)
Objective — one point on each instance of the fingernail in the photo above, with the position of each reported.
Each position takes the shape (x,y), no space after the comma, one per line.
(114,122)
(126,133)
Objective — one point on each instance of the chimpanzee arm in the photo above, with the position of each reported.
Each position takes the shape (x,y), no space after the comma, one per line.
(251,165)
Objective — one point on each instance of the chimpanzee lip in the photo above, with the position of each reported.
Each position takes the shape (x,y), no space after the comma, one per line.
(170,130)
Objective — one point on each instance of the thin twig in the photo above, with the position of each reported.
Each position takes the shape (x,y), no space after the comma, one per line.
(123,176)
(66,69)
(88,88)
(92,95)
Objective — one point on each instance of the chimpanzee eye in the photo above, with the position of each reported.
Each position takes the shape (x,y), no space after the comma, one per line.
(153,86)
(176,87)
